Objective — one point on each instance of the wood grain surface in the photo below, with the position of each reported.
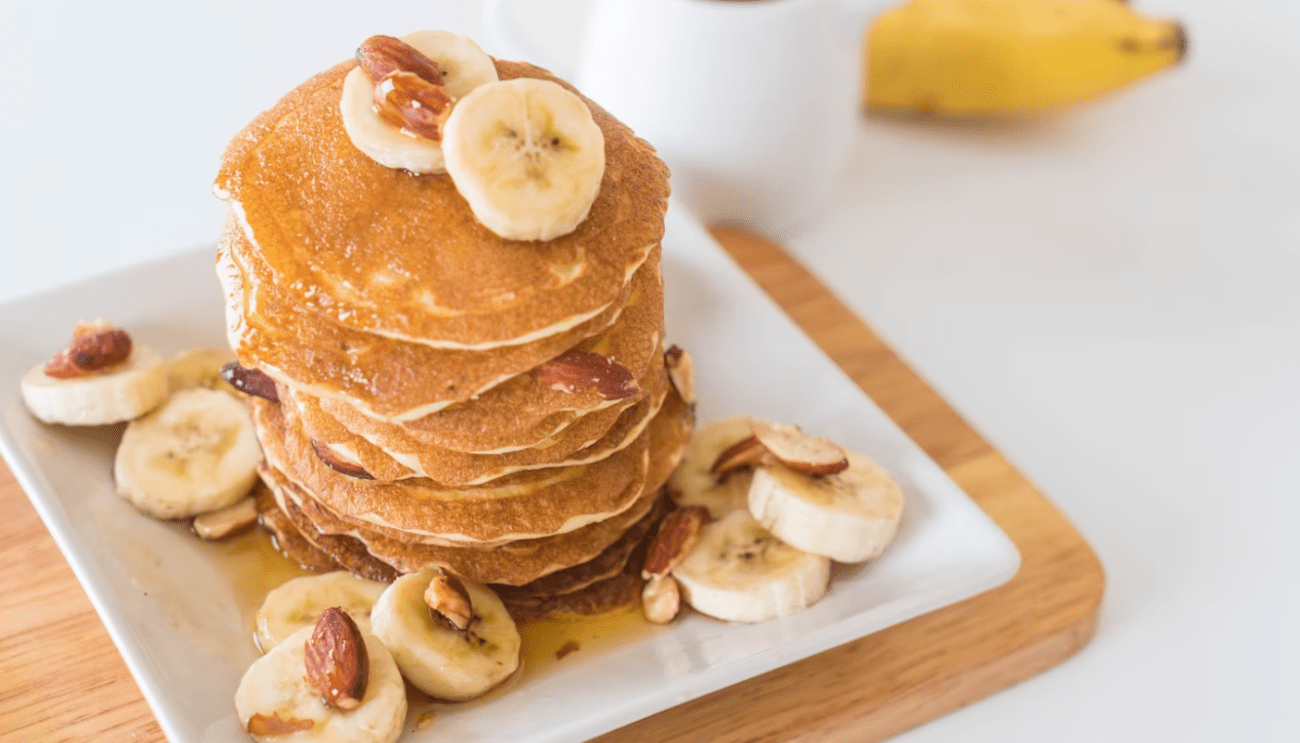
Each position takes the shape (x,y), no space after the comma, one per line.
(61,679)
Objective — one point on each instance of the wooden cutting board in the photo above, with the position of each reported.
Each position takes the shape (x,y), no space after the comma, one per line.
(62,679)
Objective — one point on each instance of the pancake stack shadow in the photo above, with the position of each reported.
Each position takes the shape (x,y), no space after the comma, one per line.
(447,397)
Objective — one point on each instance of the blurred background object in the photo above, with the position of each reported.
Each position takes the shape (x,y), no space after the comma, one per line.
(984,58)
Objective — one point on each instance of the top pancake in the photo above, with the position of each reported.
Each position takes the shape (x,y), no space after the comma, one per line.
(401,255)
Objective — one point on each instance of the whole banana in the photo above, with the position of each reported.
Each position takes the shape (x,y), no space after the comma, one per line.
(982,58)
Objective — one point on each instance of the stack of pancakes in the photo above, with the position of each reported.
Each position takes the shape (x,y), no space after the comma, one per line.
(415,355)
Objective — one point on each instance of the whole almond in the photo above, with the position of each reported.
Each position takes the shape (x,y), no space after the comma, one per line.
(250,381)
(661,599)
(413,104)
(577,372)
(337,663)
(678,533)
(92,348)
(381,56)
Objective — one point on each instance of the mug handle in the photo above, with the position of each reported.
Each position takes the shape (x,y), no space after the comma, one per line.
(503,35)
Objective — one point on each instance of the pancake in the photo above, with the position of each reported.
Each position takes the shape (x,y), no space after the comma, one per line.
(514,563)
(402,256)
(525,505)
(396,380)
(347,553)
(285,537)
(669,432)
(460,469)
(604,566)
(619,592)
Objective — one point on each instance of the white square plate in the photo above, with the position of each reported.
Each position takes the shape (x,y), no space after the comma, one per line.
(170,603)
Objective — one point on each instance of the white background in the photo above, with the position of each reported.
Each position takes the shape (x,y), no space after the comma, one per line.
(1111,296)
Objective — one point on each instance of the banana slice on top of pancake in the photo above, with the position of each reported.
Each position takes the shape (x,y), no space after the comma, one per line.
(527,156)
(452,638)
(400,84)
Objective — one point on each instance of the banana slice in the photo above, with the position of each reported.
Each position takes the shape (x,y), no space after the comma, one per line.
(201,367)
(527,157)
(298,603)
(437,658)
(275,690)
(196,453)
(693,482)
(850,516)
(119,393)
(741,572)
(464,67)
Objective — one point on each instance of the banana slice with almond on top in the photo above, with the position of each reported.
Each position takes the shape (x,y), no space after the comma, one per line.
(821,498)
(526,154)
(396,102)
(100,377)
(785,505)
(452,638)
(328,683)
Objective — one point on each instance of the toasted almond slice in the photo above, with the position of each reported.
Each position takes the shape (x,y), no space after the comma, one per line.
(748,452)
(811,455)
(678,532)
(226,521)
(661,599)
(448,598)
(336,659)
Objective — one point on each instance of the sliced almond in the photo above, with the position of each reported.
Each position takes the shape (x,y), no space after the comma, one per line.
(681,373)
(94,346)
(661,599)
(274,724)
(414,105)
(227,521)
(748,452)
(381,56)
(678,533)
(448,599)
(332,460)
(812,455)
(577,372)
(338,665)
(250,381)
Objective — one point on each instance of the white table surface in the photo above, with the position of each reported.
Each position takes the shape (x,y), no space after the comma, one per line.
(1110,296)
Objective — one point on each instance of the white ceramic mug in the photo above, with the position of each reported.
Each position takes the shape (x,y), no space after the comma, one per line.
(753,105)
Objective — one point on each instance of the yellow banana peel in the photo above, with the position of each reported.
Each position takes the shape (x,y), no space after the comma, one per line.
(988,58)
